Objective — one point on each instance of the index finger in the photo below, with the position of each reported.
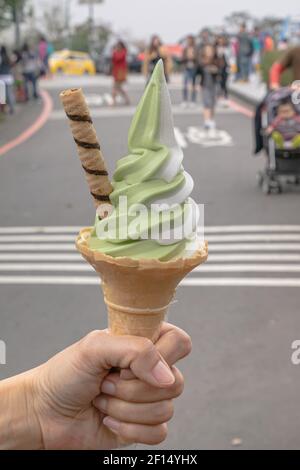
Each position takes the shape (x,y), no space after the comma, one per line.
(173,344)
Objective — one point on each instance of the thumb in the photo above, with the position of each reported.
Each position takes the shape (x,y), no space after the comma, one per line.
(100,351)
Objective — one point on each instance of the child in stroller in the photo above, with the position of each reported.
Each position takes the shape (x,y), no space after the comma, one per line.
(285,128)
(280,130)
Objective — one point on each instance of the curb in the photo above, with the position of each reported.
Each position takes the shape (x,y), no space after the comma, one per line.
(246,98)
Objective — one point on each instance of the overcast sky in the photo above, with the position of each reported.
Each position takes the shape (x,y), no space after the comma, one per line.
(172,19)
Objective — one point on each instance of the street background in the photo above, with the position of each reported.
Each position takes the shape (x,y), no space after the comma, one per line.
(241,308)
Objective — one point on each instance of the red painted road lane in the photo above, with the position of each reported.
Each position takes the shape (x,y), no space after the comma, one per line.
(241,109)
(33,128)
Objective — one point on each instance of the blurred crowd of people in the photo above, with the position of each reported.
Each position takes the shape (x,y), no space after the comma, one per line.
(206,63)
(205,60)
(20,71)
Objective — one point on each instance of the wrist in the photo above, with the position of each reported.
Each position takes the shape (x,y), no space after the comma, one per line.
(19,424)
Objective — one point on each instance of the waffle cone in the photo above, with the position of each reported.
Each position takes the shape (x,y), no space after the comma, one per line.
(137,292)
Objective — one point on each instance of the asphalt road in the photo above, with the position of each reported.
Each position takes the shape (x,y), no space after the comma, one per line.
(241,308)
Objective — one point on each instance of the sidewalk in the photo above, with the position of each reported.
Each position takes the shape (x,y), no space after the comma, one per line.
(252,92)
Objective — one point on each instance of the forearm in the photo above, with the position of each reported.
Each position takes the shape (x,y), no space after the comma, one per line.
(274,75)
(19,426)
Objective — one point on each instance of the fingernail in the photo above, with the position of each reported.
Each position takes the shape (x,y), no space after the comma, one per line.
(111,423)
(162,374)
(108,387)
(102,403)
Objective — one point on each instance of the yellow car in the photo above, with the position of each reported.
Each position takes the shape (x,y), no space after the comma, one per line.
(71,63)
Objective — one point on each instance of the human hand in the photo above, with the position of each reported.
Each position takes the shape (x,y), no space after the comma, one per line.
(80,404)
(269,130)
(274,86)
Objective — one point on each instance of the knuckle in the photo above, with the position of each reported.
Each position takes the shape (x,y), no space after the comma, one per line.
(127,391)
(141,347)
(160,434)
(178,386)
(182,341)
(152,436)
(164,411)
(185,343)
(169,412)
(91,337)
(87,344)
(147,347)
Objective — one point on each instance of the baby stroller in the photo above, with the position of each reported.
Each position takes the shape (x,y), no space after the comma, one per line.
(283,164)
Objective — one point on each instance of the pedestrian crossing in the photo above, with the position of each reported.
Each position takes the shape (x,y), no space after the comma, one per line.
(239,256)
(104,99)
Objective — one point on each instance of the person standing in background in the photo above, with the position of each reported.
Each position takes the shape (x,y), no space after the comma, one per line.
(283,44)
(268,43)
(6,76)
(43,55)
(235,68)
(244,53)
(153,54)
(17,71)
(30,63)
(209,70)
(50,50)
(189,60)
(223,57)
(119,72)
(256,57)
(204,38)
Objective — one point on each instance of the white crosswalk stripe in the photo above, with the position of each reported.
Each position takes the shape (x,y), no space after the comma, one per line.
(256,255)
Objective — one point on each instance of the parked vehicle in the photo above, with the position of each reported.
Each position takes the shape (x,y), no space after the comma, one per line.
(71,63)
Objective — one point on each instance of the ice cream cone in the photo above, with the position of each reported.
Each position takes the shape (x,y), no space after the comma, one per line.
(137,292)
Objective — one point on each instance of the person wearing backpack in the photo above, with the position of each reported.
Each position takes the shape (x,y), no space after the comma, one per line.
(244,53)
(31,69)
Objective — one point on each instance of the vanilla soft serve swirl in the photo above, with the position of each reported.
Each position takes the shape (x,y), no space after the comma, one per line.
(152,175)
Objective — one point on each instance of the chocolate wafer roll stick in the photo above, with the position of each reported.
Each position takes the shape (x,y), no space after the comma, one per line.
(88,147)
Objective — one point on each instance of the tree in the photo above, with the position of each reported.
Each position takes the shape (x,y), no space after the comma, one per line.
(54,23)
(5,14)
(273,24)
(236,18)
(57,28)
(12,12)
(91,22)
(80,39)
(91,4)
